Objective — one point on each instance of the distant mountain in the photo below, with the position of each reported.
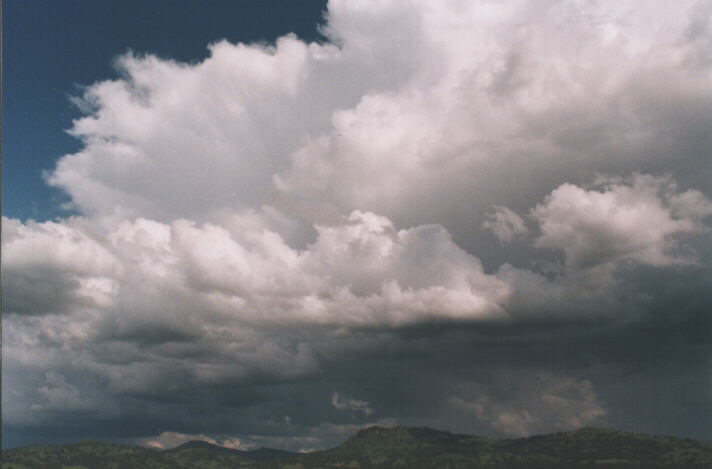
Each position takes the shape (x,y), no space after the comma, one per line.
(259,454)
(270,454)
(203,445)
(399,447)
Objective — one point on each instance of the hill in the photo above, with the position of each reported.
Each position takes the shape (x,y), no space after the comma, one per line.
(400,447)
(100,455)
(414,448)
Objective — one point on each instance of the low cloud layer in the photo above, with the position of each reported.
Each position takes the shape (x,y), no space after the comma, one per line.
(286,243)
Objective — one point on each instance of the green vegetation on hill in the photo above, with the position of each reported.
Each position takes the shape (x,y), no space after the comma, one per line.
(84,455)
(98,455)
(400,447)
(415,448)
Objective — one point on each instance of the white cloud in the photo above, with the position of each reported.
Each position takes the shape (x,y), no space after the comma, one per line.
(167,440)
(421,112)
(55,266)
(360,270)
(346,403)
(640,220)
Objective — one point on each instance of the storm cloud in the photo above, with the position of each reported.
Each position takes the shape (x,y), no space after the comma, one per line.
(482,217)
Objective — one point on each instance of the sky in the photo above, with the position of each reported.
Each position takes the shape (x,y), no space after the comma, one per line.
(273,224)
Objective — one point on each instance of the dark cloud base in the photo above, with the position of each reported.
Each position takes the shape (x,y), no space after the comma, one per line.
(411,375)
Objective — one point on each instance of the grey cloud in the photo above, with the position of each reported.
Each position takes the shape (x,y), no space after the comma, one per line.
(505,224)
(412,380)
(545,401)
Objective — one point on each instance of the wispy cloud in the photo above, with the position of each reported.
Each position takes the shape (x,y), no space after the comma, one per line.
(346,403)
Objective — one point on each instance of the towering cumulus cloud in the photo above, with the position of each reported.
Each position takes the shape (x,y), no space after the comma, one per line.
(492,214)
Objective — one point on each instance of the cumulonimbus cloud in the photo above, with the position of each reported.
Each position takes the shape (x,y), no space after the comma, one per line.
(343,186)
(399,116)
